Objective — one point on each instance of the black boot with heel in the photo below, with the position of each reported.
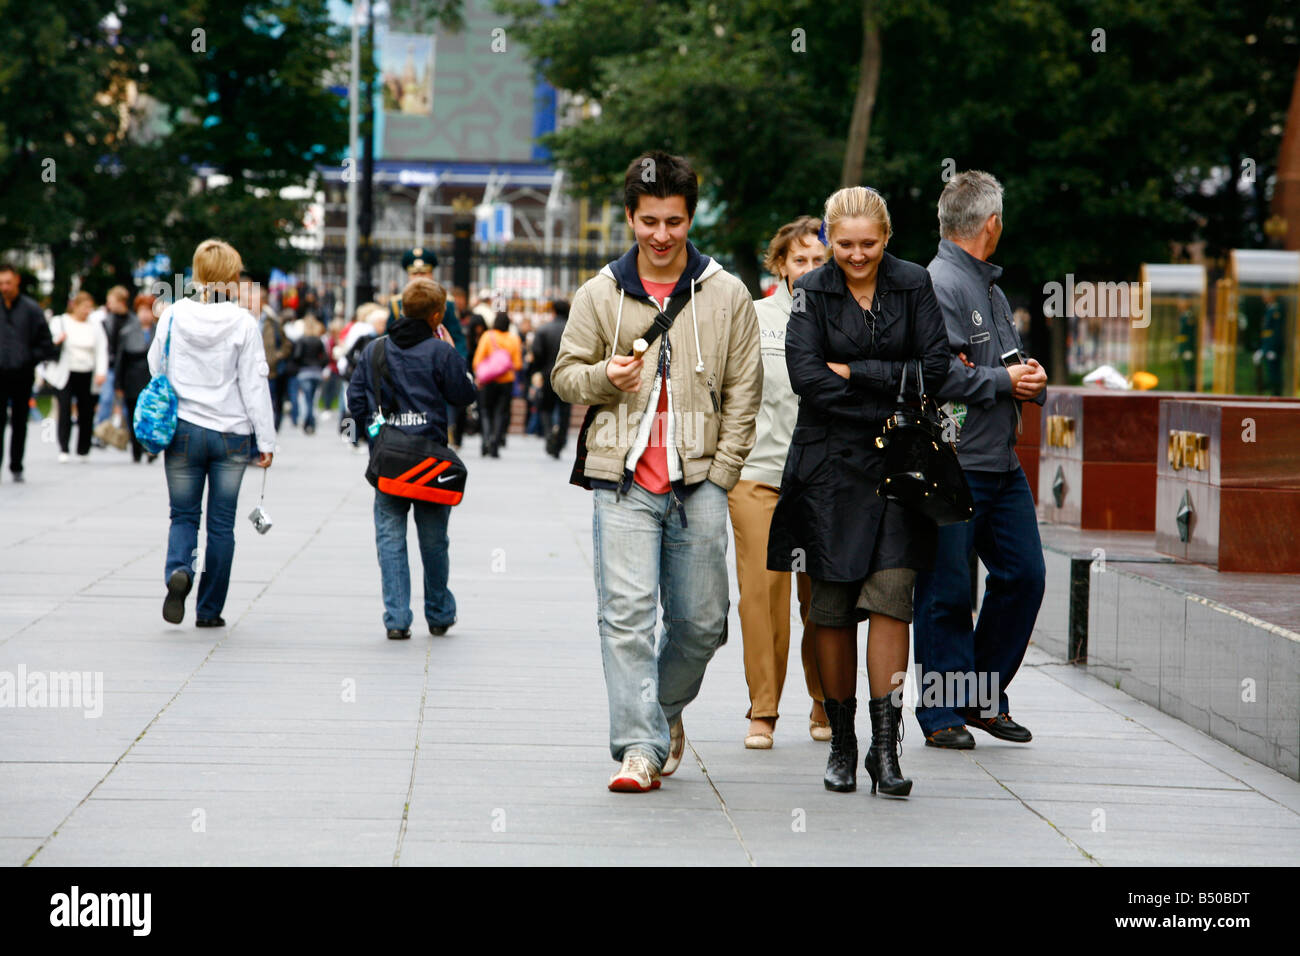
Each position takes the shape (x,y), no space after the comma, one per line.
(882,755)
(842,764)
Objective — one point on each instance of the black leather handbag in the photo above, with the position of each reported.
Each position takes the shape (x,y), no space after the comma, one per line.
(921,467)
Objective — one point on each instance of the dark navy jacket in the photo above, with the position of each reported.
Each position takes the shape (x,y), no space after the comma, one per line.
(427,374)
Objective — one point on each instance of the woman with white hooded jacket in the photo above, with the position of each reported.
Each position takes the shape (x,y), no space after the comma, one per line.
(213,353)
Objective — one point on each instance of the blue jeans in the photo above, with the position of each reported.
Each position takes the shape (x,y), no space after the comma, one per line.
(643,554)
(1004,533)
(197,456)
(394,572)
(306,391)
(105,407)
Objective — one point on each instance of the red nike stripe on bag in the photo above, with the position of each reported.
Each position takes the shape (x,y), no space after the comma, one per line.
(420,467)
(403,489)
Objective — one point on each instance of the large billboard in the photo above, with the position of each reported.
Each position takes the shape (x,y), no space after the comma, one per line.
(468,97)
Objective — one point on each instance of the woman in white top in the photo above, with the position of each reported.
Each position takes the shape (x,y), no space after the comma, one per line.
(217,365)
(765,595)
(80,372)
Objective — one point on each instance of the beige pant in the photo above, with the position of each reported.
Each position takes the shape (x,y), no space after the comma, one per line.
(765,602)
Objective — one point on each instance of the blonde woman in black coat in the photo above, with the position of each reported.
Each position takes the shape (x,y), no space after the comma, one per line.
(865,315)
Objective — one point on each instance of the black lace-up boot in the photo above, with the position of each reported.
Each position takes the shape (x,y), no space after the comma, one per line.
(842,764)
(882,755)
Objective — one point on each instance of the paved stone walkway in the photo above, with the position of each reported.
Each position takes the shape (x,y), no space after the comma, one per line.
(299,735)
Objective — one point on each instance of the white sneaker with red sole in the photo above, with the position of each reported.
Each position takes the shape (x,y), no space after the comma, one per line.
(636,775)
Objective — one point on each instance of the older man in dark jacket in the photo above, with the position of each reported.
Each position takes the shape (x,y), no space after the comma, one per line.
(975,666)
(24,343)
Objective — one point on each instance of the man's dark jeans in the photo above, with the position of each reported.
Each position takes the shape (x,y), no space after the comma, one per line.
(1004,533)
(15,391)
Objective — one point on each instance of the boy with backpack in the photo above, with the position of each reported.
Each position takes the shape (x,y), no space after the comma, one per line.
(417,376)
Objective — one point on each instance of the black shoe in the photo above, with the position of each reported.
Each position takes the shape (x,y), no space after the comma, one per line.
(152,458)
(951,738)
(309,429)
(842,763)
(210,622)
(395,635)
(882,755)
(178,588)
(439,631)
(1001,726)
(18,477)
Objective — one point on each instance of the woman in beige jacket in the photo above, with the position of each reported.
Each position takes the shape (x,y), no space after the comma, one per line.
(765,595)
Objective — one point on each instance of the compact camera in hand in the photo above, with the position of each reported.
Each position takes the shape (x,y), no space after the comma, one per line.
(261,520)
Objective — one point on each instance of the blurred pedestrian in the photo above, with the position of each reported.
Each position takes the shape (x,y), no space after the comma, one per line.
(217,365)
(114,315)
(793,252)
(495,390)
(133,365)
(25,342)
(81,370)
(310,356)
(546,347)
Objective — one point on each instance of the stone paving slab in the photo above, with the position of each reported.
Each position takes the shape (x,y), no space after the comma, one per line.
(304,737)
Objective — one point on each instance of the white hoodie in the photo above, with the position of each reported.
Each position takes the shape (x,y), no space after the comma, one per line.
(218,368)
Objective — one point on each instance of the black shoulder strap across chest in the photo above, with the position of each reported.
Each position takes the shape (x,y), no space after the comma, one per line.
(663,321)
(379,373)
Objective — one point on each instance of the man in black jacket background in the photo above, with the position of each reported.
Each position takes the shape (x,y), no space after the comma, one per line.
(546,346)
(24,343)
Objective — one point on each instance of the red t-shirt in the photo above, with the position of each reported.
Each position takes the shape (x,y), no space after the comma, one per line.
(652,467)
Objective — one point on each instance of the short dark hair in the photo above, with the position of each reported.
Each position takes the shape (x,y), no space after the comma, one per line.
(660,174)
(560,307)
(501,323)
(9,267)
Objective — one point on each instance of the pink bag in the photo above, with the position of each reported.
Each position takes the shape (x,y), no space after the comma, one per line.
(497,363)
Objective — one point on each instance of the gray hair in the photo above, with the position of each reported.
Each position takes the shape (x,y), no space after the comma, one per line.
(967,202)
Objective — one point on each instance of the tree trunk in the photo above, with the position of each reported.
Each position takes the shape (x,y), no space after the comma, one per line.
(747,268)
(864,103)
(61,257)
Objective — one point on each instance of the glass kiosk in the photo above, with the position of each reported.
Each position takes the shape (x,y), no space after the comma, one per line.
(1255,342)
(1166,338)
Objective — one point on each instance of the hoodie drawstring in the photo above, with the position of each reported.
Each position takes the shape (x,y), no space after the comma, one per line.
(695,326)
(618,321)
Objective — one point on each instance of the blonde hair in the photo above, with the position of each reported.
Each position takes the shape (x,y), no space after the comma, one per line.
(217,267)
(857,202)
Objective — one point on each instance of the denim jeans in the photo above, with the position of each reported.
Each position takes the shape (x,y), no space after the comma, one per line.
(394,572)
(306,388)
(643,554)
(1004,533)
(104,408)
(197,456)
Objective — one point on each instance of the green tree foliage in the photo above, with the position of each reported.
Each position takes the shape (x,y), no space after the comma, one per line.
(237,88)
(1105,151)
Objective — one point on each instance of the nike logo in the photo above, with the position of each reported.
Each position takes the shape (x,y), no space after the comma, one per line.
(445,478)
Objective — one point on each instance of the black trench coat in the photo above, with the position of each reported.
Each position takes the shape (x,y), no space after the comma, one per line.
(829,519)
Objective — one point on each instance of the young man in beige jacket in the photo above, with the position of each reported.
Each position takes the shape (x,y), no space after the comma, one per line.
(674,425)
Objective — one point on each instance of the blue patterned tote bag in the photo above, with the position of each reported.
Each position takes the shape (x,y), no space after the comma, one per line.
(156,408)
